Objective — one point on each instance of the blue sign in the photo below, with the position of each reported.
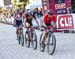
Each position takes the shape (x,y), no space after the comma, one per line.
(61,11)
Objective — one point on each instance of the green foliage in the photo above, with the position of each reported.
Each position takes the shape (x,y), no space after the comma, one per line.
(0,9)
(23,0)
(73,6)
(19,5)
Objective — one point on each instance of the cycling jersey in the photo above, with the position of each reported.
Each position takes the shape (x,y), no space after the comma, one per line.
(47,20)
(29,18)
(19,20)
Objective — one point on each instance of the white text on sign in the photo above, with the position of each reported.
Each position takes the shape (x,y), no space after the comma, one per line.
(65,21)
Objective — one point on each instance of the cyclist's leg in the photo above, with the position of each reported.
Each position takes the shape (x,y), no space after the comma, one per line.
(20,32)
(16,30)
(28,25)
(43,37)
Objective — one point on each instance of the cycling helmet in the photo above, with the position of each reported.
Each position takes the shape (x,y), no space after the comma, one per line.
(50,12)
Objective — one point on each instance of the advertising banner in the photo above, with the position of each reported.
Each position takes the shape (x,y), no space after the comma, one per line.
(66,21)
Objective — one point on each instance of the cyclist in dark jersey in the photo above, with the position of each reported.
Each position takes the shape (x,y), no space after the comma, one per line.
(29,17)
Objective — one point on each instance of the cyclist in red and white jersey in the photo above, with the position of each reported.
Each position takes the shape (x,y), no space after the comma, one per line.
(19,19)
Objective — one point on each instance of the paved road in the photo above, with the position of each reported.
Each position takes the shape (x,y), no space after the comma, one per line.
(9,48)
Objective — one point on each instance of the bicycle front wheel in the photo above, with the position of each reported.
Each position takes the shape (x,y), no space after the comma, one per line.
(34,40)
(42,46)
(51,44)
(27,42)
(22,39)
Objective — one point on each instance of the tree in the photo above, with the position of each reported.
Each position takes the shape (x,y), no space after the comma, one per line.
(23,1)
(0,9)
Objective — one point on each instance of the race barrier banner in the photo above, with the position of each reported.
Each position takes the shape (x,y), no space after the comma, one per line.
(66,21)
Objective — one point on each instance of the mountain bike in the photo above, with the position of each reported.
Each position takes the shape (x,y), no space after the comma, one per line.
(30,38)
(50,41)
(20,36)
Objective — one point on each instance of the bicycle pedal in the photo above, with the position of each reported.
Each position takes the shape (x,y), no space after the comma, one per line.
(42,45)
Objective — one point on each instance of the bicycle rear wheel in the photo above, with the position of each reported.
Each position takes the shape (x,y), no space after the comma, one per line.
(42,47)
(22,39)
(34,41)
(27,42)
(51,45)
(18,38)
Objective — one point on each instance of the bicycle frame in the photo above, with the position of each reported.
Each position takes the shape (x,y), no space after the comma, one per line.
(20,36)
(48,35)
(19,31)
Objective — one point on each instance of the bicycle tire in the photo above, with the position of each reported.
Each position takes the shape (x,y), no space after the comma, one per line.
(34,41)
(51,35)
(22,39)
(27,42)
(41,48)
(18,38)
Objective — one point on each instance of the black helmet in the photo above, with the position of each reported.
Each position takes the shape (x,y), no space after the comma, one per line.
(50,12)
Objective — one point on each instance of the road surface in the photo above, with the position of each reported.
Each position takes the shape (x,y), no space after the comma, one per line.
(9,48)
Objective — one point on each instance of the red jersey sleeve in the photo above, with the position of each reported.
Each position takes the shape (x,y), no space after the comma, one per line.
(54,18)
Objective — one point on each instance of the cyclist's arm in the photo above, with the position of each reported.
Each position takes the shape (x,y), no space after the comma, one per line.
(36,21)
(24,22)
(44,25)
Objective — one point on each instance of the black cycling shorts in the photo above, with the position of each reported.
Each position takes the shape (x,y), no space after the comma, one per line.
(18,23)
(29,21)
